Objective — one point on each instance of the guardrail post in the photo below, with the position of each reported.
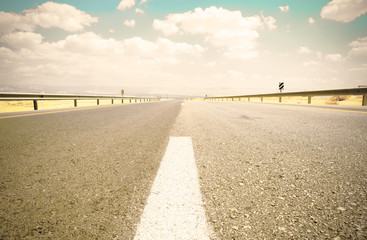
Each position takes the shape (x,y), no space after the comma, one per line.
(135,100)
(364,100)
(35,105)
(97,102)
(309,99)
(112,101)
(248,99)
(130,100)
(280,99)
(75,103)
(262,99)
(122,100)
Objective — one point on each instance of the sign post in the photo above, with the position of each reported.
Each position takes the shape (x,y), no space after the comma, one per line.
(281,86)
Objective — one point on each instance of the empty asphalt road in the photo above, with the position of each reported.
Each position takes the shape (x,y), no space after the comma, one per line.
(266,171)
(82,174)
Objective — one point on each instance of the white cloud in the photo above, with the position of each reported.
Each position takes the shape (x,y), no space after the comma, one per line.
(47,15)
(138,10)
(124,4)
(163,50)
(344,10)
(226,30)
(143,1)
(284,9)
(359,47)
(311,20)
(269,21)
(137,45)
(167,46)
(166,27)
(334,57)
(111,30)
(22,39)
(90,43)
(303,50)
(89,58)
(130,23)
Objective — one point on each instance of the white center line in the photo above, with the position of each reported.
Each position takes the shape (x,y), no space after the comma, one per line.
(174,207)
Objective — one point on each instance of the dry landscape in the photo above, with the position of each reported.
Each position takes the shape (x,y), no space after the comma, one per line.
(18,106)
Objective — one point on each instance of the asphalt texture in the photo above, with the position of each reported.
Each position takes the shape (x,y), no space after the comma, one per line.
(279,172)
(82,174)
(266,171)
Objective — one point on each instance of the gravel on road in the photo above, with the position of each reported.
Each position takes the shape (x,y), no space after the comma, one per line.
(83,174)
(276,172)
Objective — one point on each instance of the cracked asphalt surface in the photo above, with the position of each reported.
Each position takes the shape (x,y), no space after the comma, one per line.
(265,171)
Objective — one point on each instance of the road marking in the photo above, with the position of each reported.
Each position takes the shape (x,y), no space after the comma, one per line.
(174,207)
(68,110)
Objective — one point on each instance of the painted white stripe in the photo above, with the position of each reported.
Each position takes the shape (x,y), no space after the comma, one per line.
(174,207)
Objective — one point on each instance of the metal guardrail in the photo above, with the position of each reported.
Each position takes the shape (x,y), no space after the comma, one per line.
(46,97)
(308,94)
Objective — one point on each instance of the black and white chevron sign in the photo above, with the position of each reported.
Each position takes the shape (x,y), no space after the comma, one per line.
(281,86)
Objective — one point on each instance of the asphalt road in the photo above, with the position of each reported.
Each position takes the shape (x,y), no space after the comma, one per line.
(280,172)
(266,171)
(82,174)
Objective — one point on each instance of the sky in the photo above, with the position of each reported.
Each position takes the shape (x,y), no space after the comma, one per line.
(186,48)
